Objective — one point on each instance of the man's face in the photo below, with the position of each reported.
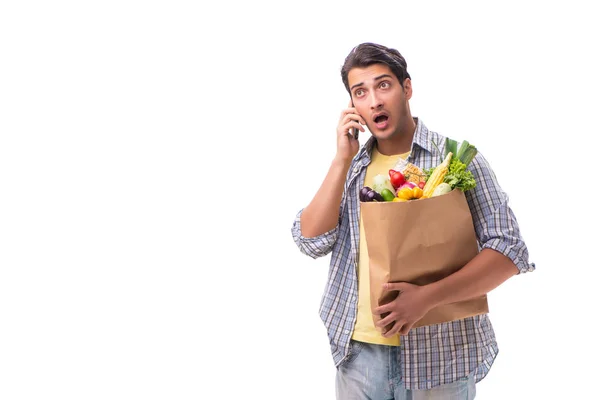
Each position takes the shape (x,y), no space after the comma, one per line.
(380,99)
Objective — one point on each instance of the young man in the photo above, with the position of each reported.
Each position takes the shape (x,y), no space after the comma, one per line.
(442,361)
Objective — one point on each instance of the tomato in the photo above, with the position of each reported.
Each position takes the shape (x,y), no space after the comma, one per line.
(421,184)
(397,179)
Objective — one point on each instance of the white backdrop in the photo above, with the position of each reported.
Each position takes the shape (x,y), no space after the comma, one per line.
(153,156)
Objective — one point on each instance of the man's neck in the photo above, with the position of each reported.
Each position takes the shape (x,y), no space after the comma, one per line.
(401,143)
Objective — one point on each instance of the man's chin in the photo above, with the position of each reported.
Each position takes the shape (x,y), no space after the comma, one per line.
(383,135)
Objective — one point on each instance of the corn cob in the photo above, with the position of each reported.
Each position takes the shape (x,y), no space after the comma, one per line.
(437,176)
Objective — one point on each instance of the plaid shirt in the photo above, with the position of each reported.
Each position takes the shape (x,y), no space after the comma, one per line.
(430,355)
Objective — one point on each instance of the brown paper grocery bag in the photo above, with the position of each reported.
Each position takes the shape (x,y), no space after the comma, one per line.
(421,241)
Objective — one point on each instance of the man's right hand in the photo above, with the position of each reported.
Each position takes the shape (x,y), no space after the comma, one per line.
(322,214)
(347,145)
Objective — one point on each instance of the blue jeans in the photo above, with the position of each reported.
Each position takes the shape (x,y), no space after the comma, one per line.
(373,373)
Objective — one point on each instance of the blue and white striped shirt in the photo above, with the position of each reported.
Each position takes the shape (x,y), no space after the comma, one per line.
(430,355)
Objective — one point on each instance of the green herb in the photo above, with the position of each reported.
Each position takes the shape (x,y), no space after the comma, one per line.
(428,173)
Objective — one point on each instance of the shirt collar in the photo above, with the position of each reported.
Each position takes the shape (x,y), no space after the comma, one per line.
(422,138)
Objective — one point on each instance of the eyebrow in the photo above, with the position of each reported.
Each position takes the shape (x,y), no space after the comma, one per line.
(376,79)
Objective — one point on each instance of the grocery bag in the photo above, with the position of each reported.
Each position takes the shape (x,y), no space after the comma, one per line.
(420,242)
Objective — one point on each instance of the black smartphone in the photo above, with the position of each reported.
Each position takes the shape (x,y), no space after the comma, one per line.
(354,131)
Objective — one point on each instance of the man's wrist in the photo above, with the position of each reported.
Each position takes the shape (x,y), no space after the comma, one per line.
(432,295)
(341,163)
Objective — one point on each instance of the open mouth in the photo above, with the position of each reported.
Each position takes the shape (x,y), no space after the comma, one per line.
(381,121)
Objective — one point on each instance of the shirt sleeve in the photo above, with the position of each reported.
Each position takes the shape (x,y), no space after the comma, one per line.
(495,223)
(317,246)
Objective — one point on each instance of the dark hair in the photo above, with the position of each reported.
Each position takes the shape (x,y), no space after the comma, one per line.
(366,54)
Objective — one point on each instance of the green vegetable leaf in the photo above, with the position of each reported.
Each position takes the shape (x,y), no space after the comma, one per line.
(428,173)
(459,177)
(450,147)
(467,152)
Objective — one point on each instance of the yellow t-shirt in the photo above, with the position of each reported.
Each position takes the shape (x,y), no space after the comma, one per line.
(364,329)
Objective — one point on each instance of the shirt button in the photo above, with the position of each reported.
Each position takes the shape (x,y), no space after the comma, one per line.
(346,332)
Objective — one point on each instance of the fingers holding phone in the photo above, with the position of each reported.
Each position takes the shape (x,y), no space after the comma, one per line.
(349,126)
(351,122)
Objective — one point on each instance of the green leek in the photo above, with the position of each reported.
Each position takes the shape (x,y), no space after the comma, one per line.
(466,152)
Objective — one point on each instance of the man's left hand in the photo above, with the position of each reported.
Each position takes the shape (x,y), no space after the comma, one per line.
(407,308)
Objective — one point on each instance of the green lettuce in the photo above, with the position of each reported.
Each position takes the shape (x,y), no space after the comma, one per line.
(459,177)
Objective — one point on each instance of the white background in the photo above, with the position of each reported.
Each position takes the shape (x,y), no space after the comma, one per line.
(154,154)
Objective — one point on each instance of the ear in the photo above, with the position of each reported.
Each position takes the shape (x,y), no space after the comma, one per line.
(407,84)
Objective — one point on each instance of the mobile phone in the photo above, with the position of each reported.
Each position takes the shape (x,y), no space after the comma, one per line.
(354,131)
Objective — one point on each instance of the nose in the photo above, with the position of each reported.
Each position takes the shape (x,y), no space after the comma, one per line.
(375,101)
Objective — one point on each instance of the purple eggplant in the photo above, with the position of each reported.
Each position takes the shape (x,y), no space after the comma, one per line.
(374,196)
(363,193)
